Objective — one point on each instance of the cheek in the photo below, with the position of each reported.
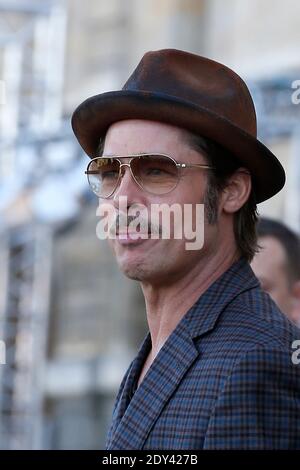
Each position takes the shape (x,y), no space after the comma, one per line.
(192,190)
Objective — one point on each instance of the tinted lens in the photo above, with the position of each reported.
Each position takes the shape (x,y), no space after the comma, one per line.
(103,175)
(155,173)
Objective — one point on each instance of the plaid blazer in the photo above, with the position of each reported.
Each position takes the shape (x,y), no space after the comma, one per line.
(224,378)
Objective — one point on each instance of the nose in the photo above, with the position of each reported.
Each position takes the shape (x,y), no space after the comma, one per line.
(127,186)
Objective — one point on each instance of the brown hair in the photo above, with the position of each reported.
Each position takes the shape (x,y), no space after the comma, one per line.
(225,164)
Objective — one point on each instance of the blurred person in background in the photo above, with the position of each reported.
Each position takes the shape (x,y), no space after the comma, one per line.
(215,370)
(277,265)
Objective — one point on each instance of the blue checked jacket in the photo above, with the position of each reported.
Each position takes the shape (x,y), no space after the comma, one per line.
(224,378)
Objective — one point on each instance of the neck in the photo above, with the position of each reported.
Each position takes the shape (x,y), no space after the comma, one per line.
(166,305)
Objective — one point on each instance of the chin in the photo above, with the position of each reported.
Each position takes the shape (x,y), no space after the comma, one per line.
(136,268)
(136,273)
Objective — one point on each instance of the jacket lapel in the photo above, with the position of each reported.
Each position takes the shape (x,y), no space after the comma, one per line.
(134,419)
(172,362)
(123,397)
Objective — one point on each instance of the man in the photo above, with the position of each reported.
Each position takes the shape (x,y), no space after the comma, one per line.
(215,369)
(277,266)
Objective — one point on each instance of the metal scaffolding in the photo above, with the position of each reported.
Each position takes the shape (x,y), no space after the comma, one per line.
(32,41)
(279,118)
(25,292)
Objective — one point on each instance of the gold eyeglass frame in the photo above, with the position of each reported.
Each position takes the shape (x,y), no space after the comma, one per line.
(180,166)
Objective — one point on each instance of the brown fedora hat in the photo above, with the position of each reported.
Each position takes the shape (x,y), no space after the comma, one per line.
(192,92)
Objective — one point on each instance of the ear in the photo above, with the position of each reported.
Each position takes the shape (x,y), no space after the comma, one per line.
(237,191)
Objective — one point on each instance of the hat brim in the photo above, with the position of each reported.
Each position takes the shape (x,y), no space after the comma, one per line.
(92,118)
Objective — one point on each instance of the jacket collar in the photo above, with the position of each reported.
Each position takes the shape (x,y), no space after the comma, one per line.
(203,315)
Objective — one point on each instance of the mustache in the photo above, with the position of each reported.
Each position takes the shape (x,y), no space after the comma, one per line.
(123,222)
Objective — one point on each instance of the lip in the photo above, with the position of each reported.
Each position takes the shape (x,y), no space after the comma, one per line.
(132,238)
